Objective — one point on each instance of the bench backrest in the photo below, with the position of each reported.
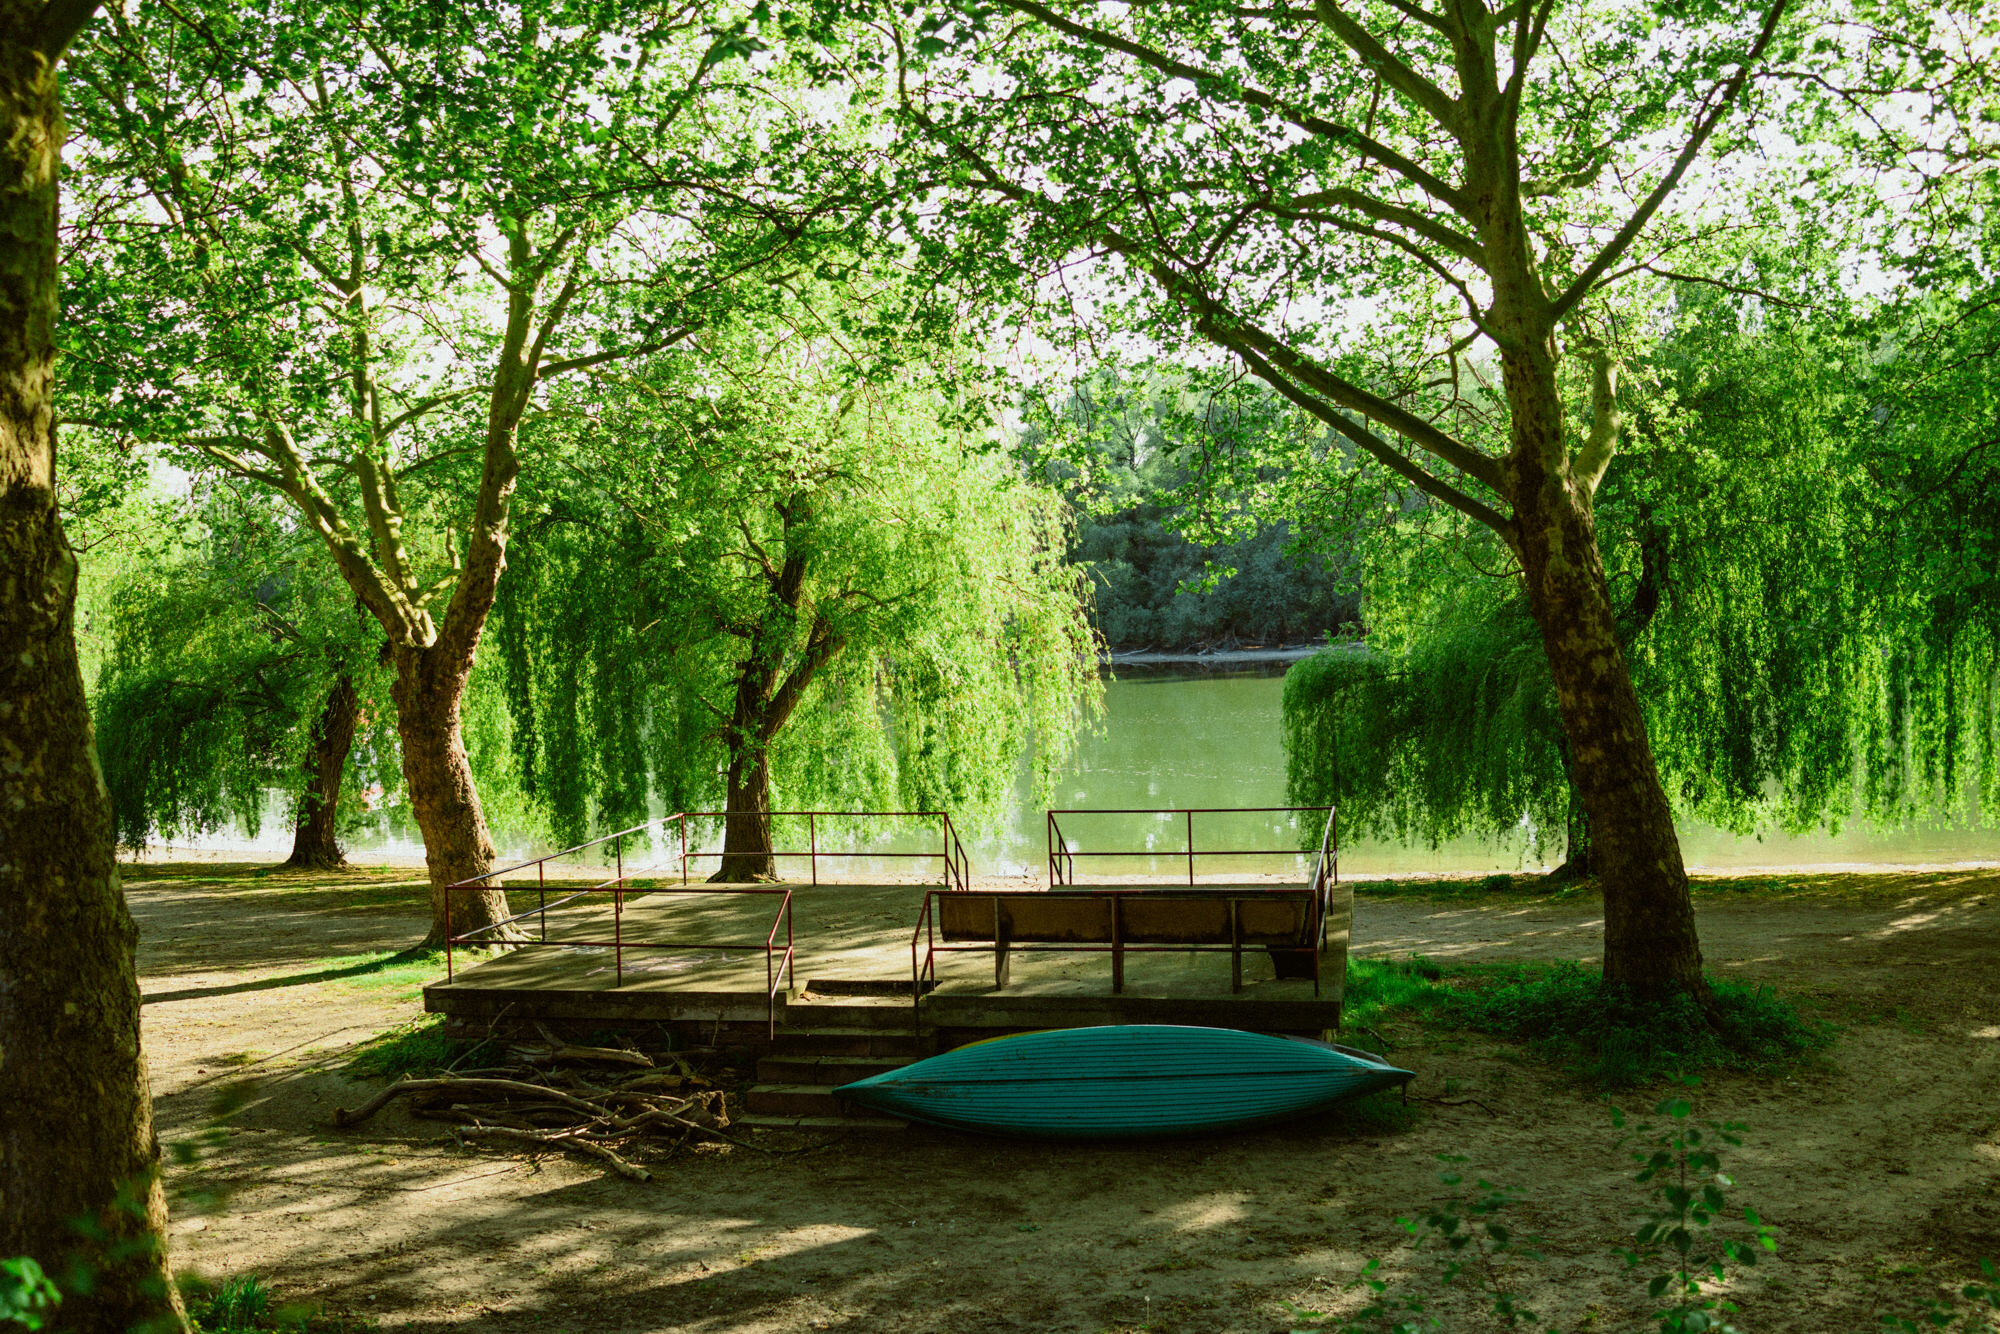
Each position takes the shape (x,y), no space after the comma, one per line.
(1148,917)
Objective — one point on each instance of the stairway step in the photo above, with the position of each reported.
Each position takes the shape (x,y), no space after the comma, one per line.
(814,1068)
(811,1042)
(762,1121)
(795,1100)
(852,1012)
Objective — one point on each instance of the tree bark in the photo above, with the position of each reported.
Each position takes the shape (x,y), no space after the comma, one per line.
(79,1161)
(1650,946)
(429,691)
(314,846)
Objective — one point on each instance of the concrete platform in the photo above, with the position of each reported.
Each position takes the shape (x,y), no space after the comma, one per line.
(853,938)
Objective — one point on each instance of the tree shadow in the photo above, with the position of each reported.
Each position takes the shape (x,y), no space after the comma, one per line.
(297,979)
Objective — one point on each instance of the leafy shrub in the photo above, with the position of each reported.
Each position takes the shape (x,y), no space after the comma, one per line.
(27,1297)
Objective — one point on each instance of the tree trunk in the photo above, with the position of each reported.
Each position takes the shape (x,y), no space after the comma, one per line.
(79,1162)
(314,846)
(746,830)
(1576,834)
(1650,946)
(429,690)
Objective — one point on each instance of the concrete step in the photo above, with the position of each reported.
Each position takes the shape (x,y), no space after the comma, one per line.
(813,1068)
(851,1012)
(835,1041)
(795,1100)
(761,1121)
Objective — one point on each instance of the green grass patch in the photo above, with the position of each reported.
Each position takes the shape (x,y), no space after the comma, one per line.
(403,971)
(245,1306)
(419,1047)
(1563,1014)
(1383,988)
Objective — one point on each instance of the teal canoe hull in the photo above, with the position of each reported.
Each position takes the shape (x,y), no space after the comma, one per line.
(1124,1080)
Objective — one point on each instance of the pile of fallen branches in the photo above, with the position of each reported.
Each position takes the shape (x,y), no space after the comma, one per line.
(559,1096)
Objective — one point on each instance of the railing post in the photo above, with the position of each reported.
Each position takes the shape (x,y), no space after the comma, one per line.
(618,914)
(684,847)
(812,847)
(542,894)
(447,933)
(1190,824)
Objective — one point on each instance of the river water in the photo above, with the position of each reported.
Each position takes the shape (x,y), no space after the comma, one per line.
(1179,739)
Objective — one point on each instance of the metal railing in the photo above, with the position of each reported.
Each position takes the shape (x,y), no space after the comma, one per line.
(957,867)
(778,964)
(923,964)
(924,948)
(1062,855)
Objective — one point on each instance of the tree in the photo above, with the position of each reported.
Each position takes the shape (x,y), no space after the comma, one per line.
(386,233)
(1358,202)
(796,566)
(237,665)
(79,1162)
(1802,544)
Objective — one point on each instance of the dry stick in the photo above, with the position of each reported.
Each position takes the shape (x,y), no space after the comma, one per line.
(506,1087)
(558,1140)
(560,1050)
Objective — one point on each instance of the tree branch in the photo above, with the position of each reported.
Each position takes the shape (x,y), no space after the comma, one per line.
(1426,95)
(62,21)
(1576,291)
(1595,456)
(1397,214)
(1381,450)
(1253,96)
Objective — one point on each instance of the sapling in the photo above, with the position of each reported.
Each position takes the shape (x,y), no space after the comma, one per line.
(1465,1226)
(1680,1164)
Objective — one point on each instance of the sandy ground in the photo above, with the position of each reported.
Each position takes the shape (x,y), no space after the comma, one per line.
(1879,1164)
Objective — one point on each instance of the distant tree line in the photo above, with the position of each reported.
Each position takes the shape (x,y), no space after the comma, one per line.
(1178,558)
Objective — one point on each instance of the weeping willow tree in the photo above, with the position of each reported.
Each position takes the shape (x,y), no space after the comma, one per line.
(1803,548)
(236,668)
(796,573)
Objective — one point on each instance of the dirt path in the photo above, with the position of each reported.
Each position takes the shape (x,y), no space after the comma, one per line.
(1880,1165)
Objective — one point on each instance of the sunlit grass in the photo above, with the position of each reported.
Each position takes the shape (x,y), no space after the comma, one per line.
(418,1047)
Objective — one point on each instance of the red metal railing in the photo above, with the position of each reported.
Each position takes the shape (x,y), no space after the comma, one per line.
(1062,856)
(777,963)
(923,968)
(957,872)
(924,948)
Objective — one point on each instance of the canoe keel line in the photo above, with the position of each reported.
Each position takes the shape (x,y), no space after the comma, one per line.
(1124,1080)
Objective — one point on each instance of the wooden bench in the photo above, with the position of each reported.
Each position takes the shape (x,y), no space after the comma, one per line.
(1287,922)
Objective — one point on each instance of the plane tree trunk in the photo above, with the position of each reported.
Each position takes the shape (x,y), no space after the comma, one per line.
(314,844)
(77,1146)
(1651,949)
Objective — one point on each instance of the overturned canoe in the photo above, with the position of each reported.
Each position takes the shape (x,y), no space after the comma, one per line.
(1127,1079)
